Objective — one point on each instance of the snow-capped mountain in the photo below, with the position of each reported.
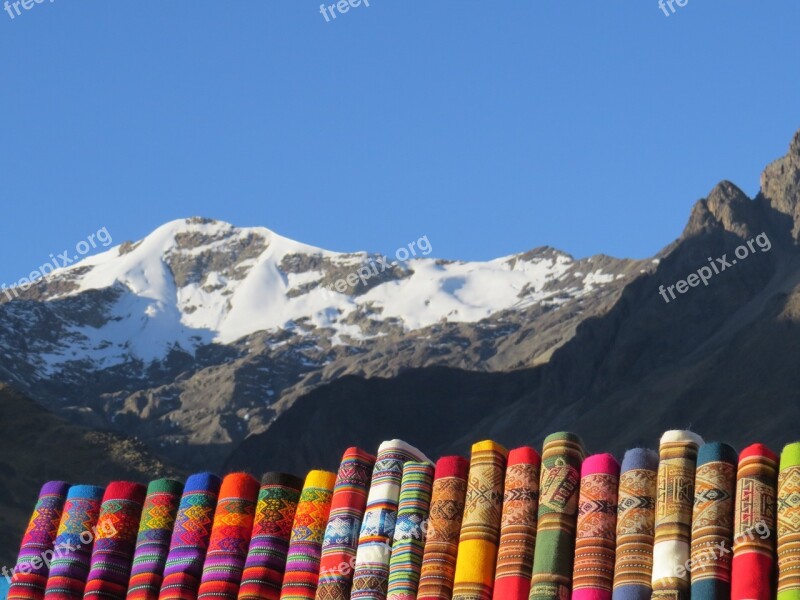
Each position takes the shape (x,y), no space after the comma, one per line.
(201,332)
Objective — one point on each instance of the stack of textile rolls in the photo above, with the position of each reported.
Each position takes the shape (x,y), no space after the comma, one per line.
(690,520)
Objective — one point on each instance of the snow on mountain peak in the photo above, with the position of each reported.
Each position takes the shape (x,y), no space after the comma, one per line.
(195,281)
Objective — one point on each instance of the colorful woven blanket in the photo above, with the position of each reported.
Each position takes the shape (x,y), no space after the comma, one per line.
(480,529)
(115,542)
(230,538)
(152,544)
(266,559)
(190,538)
(671,551)
(73,546)
(712,522)
(789,523)
(562,456)
(518,525)
(595,542)
(444,527)
(636,524)
(341,535)
(409,533)
(31,572)
(754,527)
(308,531)
(371,574)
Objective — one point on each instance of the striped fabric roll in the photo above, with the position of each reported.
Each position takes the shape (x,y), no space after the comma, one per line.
(115,541)
(308,531)
(444,527)
(73,545)
(409,533)
(636,524)
(344,524)
(30,574)
(371,574)
(152,544)
(595,540)
(712,522)
(190,538)
(789,523)
(230,538)
(518,525)
(480,529)
(671,551)
(562,456)
(754,526)
(266,560)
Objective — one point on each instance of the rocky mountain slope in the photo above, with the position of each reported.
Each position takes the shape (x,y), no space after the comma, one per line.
(721,358)
(203,333)
(37,446)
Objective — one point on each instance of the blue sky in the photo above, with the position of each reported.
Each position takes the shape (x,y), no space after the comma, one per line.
(490,127)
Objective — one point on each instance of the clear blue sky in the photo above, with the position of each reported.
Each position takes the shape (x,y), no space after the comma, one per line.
(490,127)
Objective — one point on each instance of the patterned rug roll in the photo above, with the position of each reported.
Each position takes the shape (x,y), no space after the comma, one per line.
(308,532)
(789,523)
(190,538)
(70,567)
(754,527)
(512,579)
(30,574)
(371,574)
(152,544)
(266,560)
(444,527)
(115,541)
(480,529)
(712,522)
(344,524)
(562,456)
(230,538)
(409,533)
(595,542)
(636,525)
(671,551)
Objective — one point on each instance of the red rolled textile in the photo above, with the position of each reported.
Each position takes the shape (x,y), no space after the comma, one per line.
(518,525)
(754,528)
(444,528)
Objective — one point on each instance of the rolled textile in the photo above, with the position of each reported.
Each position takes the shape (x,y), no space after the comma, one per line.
(115,542)
(562,456)
(409,533)
(190,537)
(444,527)
(595,540)
(266,559)
(371,573)
(30,574)
(512,580)
(712,522)
(344,524)
(230,538)
(754,525)
(480,529)
(789,523)
(308,531)
(70,567)
(636,524)
(671,551)
(152,543)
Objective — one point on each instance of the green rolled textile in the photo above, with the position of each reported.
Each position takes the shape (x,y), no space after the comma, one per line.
(789,523)
(562,456)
